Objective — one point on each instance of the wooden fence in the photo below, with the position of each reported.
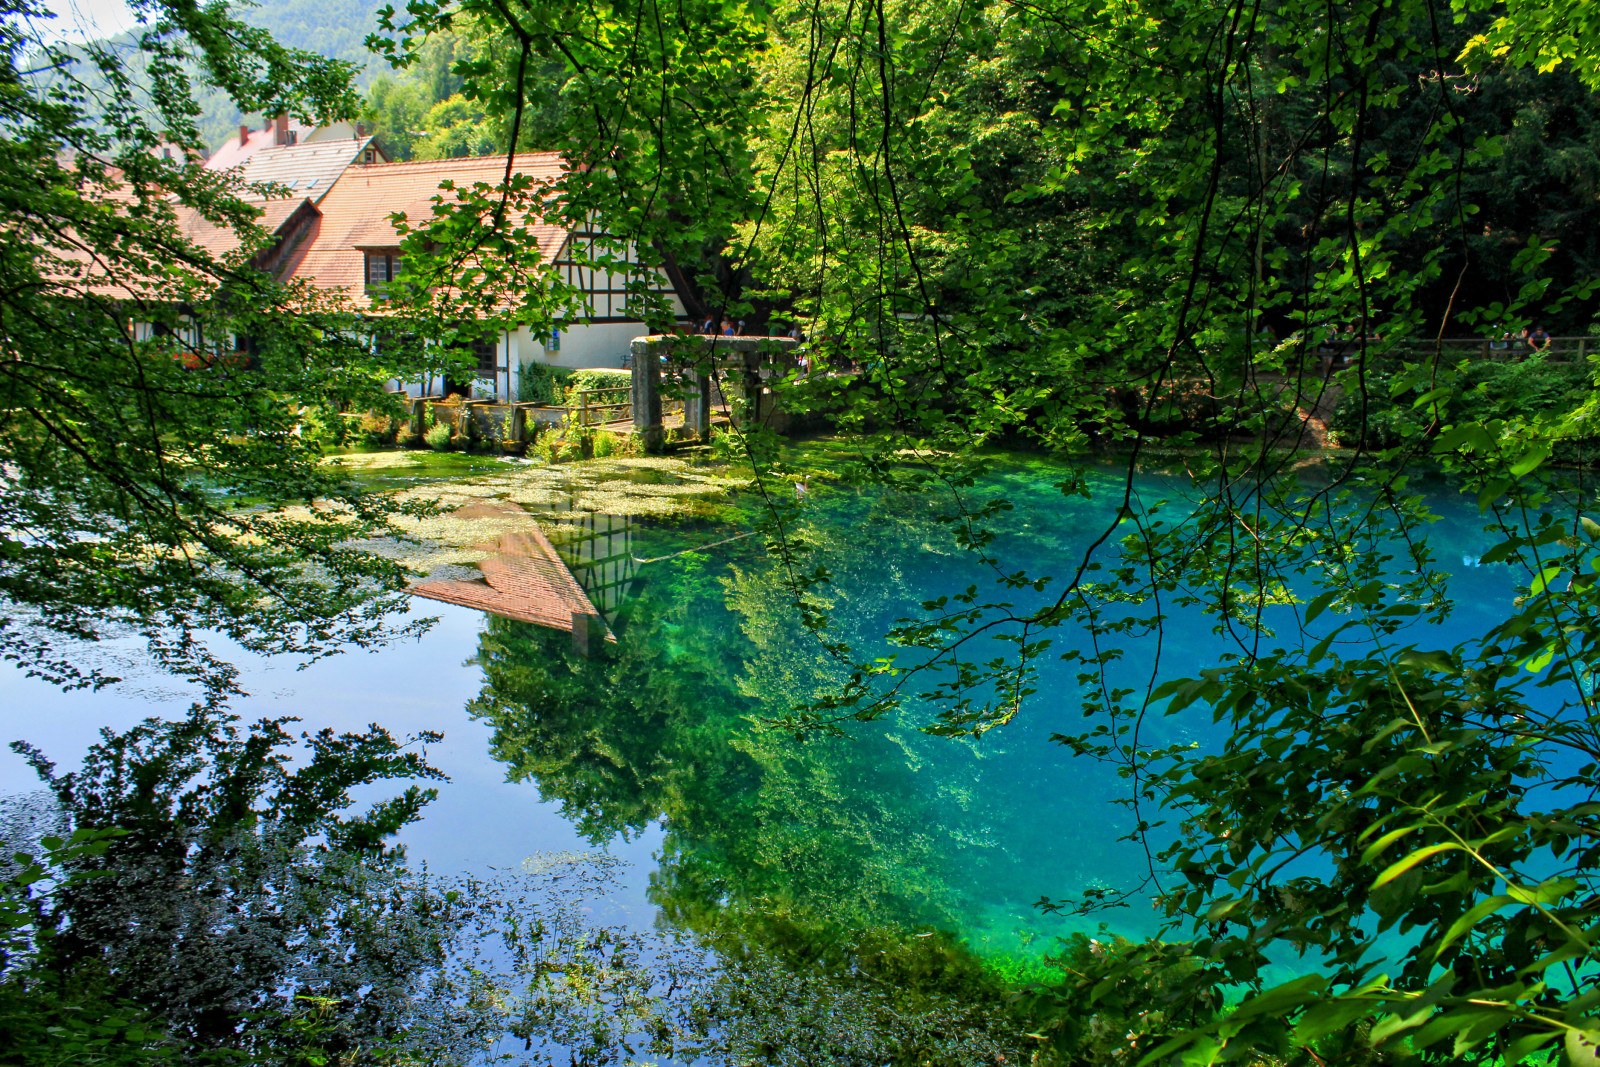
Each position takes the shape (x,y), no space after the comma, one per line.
(593,409)
(1560,349)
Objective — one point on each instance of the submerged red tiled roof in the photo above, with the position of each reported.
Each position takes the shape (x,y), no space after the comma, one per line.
(525,579)
(356,210)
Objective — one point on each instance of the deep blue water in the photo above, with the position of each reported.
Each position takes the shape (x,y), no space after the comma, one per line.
(653,749)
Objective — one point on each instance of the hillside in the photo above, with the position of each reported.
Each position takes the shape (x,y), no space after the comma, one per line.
(335,28)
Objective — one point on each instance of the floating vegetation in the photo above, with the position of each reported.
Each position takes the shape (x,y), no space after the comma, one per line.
(627,487)
(376,460)
(483,506)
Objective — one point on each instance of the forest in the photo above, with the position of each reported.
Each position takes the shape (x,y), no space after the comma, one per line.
(1244,239)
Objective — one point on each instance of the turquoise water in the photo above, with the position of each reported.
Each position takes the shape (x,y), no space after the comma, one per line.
(654,749)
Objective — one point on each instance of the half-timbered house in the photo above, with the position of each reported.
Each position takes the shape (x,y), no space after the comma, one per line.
(353,248)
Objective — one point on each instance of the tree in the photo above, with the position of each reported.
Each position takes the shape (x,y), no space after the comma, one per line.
(1248,172)
(165,399)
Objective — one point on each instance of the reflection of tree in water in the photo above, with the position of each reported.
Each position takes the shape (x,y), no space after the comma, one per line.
(836,855)
(831,833)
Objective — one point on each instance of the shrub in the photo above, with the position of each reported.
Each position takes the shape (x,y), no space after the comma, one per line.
(604,443)
(540,384)
(598,378)
(438,437)
(1484,391)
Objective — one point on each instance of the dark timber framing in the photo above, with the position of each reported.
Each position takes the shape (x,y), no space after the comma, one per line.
(607,302)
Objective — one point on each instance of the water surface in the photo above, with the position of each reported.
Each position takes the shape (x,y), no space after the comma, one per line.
(653,747)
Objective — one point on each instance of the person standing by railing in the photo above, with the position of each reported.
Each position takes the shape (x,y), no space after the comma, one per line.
(1539,340)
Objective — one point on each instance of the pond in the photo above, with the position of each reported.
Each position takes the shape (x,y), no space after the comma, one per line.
(652,748)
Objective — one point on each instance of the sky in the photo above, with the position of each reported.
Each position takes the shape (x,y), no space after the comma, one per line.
(83,20)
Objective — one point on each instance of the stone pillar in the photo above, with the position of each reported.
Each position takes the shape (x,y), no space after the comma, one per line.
(647,395)
(697,402)
(751,387)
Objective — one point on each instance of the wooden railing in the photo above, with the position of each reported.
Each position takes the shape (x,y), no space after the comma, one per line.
(1562,349)
(589,404)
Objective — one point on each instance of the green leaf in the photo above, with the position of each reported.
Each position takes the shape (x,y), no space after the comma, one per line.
(1329,1017)
(1374,850)
(1531,461)
(1394,1024)
(1543,580)
(1422,854)
(1466,922)
(1281,999)
(1582,1047)
(1550,889)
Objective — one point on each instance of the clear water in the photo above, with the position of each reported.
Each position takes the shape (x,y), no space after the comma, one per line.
(652,749)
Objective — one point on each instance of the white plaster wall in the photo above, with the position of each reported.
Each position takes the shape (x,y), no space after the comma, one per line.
(601,344)
(596,345)
(502,385)
(337,131)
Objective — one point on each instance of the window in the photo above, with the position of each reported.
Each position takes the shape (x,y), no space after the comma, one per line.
(555,342)
(484,350)
(370,156)
(382,268)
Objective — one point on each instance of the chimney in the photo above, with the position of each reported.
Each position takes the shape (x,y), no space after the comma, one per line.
(244,135)
(361,130)
(281,124)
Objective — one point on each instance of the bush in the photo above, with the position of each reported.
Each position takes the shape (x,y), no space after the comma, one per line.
(438,437)
(604,443)
(599,378)
(1485,390)
(540,384)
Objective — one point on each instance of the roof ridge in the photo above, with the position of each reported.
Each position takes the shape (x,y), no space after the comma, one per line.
(456,161)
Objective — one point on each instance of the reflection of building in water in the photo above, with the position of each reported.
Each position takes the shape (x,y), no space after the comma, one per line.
(525,578)
(599,550)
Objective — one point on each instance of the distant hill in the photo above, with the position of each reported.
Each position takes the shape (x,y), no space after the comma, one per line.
(334,28)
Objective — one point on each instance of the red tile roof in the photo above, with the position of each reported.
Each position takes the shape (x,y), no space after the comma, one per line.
(524,580)
(232,153)
(355,213)
(307,169)
(220,240)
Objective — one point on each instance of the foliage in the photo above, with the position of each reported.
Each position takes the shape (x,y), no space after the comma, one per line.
(787,884)
(165,400)
(539,383)
(598,378)
(439,437)
(1482,391)
(1214,177)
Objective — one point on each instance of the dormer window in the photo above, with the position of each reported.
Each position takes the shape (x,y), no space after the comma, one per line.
(382,267)
(370,156)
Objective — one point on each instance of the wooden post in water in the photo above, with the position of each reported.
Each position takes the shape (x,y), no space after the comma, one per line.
(587,633)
